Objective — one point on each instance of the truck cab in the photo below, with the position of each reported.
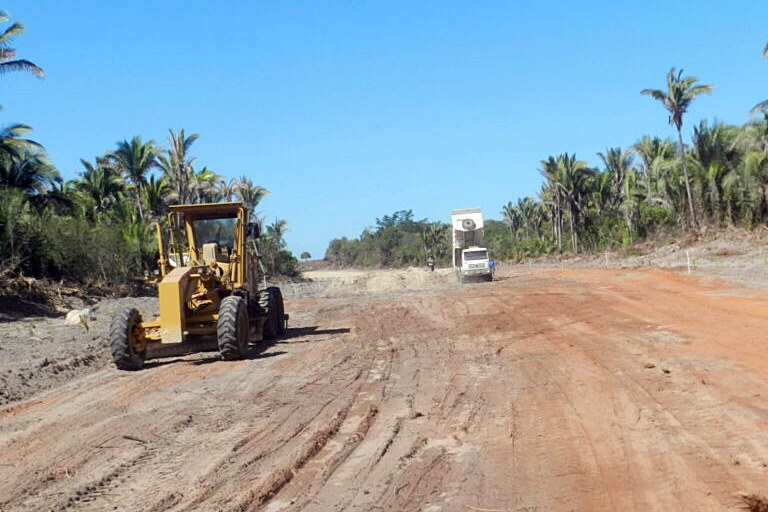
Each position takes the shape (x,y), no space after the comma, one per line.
(475,263)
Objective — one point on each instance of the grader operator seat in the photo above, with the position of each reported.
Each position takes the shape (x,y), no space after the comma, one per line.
(212,252)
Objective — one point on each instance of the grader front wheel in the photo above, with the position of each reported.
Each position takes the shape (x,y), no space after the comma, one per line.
(126,340)
(232,328)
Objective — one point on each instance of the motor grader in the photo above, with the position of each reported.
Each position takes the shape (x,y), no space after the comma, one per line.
(210,283)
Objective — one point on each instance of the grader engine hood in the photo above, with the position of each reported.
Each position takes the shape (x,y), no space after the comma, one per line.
(173,292)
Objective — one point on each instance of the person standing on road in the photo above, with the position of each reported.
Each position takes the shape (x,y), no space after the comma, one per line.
(492,265)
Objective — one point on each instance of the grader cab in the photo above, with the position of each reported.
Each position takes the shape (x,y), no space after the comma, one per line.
(210,283)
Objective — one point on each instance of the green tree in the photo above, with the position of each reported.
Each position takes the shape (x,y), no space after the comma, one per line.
(435,239)
(553,196)
(12,144)
(569,182)
(176,164)
(226,189)
(28,171)
(654,153)
(277,231)
(135,158)
(714,154)
(511,217)
(156,194)
(680,93)
(203,185)
(526,208)
(249,194)
(99,186)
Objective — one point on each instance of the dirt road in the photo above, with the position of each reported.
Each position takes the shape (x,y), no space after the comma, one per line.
(625,390)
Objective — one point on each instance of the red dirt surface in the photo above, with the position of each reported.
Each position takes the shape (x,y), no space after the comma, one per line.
(625,390)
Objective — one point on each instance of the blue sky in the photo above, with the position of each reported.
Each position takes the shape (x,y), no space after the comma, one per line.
(347,111)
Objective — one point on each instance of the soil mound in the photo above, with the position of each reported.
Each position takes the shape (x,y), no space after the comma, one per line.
(345,281)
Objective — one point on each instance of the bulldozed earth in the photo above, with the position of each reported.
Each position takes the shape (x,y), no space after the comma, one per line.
(548,389)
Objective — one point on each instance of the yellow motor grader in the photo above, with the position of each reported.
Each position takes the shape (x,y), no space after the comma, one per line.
(210,282)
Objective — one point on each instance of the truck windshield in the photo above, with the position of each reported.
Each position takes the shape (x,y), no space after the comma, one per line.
(221,231)
(475,255)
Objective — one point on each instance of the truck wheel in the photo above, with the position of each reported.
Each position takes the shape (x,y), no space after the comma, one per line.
(232,328)
(126,341)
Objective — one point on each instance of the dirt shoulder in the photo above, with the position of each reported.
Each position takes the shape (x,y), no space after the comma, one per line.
(40,350)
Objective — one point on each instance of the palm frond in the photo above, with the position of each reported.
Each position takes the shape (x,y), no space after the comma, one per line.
(14,130)
(21,65)
(656,94)
(760,107)
(7,54)
(699,89)
(16,29)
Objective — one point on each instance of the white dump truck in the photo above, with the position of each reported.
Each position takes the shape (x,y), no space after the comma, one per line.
(470,258)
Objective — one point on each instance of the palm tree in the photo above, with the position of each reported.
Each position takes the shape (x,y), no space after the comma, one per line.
(526,208)
(434,236)
(680,93)
(7,54)
(552,196)
(226,189)
(617,164)
(99,186)
(653,153)
(763,105)
(632,195)
(569,183)
(177,165)
(574,180)
(135,159)
(28,171)
(156,193)
(277,231)
(249,194)
(13,146)
(202,185)
(511,217)
(538,216)
(714,155)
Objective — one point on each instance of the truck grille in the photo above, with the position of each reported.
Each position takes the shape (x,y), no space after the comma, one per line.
(476,265)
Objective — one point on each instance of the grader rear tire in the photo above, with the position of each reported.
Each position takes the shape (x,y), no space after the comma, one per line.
(274,325)
(232,328)
(279,311)
(125,341)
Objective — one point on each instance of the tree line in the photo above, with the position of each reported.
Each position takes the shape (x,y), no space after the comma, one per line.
(94,229)
(718,179)
(656,186)
(396,240)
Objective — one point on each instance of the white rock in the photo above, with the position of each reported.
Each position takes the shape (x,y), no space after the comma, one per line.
(76,316)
